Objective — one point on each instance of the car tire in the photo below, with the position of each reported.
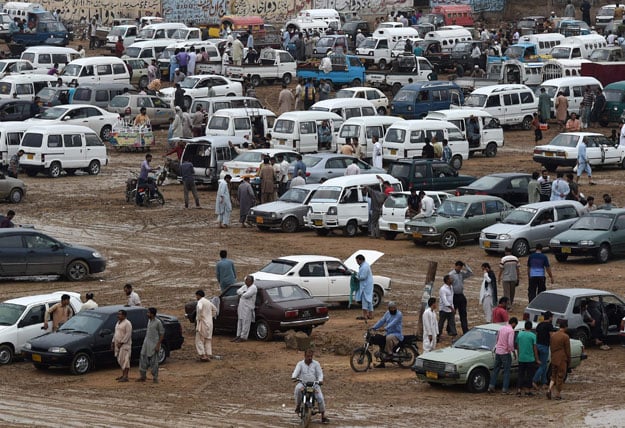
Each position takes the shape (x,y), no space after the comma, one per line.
(76,270)
(603,255)
(289,225)
(16,195)
(351,228)
(382,64)
(94,167)
(55,170)
(478,380)
(562,257)
(163,352)
(356,82)
(491,150)
(322,232)
(583,336)
(287,78)
(143,82)
(186,102)
(255,81)
(6,354)
(449,239)
(456,162)
(527,123)
(520,248)
(81,363)
(262,331)
(382,111)
(378,295)
(105,132)
(389,235)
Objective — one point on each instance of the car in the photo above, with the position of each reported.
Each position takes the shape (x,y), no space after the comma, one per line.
(599,234)
(529,225)
(96,118)
(247,163)
(84,341)
(11,189)
(28,252)
(323,166)
(564,304)
(158,110)
(21,320)
(395,211)
(324,277)
(377,97)
(53,96)
(14,110)
(562,151)
(460,218)
(509,186)
(426,174)
(471,359)
(287,213)
(139,73)
(197,86)
(280,306)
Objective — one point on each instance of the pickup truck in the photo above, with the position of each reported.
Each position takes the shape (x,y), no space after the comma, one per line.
(608,54)
(439,57)
(273,65)
(427,174)
(404,67)
(346,70)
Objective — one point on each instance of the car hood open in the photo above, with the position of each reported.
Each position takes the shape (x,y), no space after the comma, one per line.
(371,256)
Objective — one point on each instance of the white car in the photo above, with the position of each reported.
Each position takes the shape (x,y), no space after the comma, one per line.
(197,86)
(247,163)
(96,118)
(395,210)
(324,277)
(377,97)
(21,319)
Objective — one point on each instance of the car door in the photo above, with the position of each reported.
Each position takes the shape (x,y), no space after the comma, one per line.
(313,279)
(139,319)
(494,107)
(516,192)
(339,278)
(618,235)
(29,325)
(335,167)
(594,152)
(44,255)
(542,227)
(13,255)
(94,119)
(220,86)
(228,304)
(565,216)
(74,150)
(9,112)
(102,339)
(308,134)
(613,309)
(608,152)
(161,111)
(476,219)
(512,109)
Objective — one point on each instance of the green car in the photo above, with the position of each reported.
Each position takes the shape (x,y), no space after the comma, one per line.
(458,219)
(471,359)
(599,234)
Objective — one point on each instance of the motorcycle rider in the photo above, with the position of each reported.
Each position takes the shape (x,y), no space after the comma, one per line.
(392,323)
(144,179)
(309,370)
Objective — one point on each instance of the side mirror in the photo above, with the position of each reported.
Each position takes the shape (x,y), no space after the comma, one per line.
(105,332)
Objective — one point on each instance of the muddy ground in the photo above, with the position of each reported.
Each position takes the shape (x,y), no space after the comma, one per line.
(169,252)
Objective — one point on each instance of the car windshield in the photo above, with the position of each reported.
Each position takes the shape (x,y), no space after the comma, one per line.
(565,140)
(326,194)
(477,338)
(613,95)
(87,322)
(553,302)
(46,94)
(406,96)
(119,101)
(146,33)
(485,183)
(349,131)
(394,135)
(515,52)
(284,126)
(286,293)
(311,161)
(462,47)
(369,43)
(475,100)
(396,201)
(117,31)
(53,113)
(600,55)
(520,216)
(550,90)
(132,51)
(560,52)
(180,33)
(451,208)
(326,42)
(249,157)
(278,267)
(593,222)
(189,82)
(295,194)
(72,70)
(344,93)
(10,312)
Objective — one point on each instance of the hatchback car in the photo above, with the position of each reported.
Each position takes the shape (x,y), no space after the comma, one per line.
(138,68)
(99,120)
(460,218)
(197,86)
(323,166)
(28,252)
(14,110)
(249,162)
(599,234)
(287,213)
(529,225)
(425,174)
(377,97)
(323,277)
(11,189)
(158,110)
(509,186)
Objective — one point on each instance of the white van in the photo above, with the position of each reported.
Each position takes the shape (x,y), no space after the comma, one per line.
(339,203)
(212,104)
(346,107)
(378,49)
(96,69)
(52,149)
(21,9)
(208,154)
(406,140)
(163,30)
(491,133)
(578,46)
(147,50)
(310,26)
(213,66)
(556,68)
(331,16)
(573,89)
(189,34)
(24,86)
(298,130)
(365,128)
(241,122)
(44,57)
(128,33)
(510,104)
(10,137)
(449,38)
(544,41)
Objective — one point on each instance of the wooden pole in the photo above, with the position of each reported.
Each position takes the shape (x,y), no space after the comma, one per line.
(427,293)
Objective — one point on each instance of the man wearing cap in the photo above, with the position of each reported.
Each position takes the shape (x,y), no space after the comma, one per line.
(392,323)
(359,38)
(543,338)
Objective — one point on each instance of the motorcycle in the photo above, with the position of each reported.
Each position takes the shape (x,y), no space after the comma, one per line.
(404,354)
(309,405)
(170,170)
(141,193)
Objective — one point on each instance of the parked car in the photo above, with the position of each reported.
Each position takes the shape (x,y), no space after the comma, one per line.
(99,120)
(471,359)
(28,252)
(158,110)
(53,96)
(529,225)
(14,110)
(287,213)
(460,218)
(16,66)
(248,162)
(377,97)
(425,174)
(323,166)
(21,320)
(84,341)
(197,86)
(11,189)
(599,234)
(138,68)
(564,304)
(324,277)
(509,186)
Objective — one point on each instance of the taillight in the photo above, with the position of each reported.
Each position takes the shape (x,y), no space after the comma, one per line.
(321,310)
(291,314)
(307,174)
(128,110)
(457,193)
(526,316)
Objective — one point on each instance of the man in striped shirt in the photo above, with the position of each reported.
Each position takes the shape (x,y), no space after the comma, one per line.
(545,186)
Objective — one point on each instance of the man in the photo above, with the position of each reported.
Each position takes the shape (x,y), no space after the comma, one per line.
(365,279)
(122,344)
(245,311)
(309,370)
(582,162)
(573,124)
(413,203)
(447,310)
(308,93)
(428,151)
(561,106)
(586,106)
(509,275)
(573,187)
(133,297)
(377,152)
(504,350)
(543,338)
(325,135)
(89,303)
(537,265)
(60,313)
(533,189)
(427,205)
(447,153)
(179,76)
(347,149)
(392,322)
(607,203)
(152,71)
(247,199)
(144,174)
(183,59)
(197,121)
(142,118)
(191,62)
(544,105)
(267,182)
(205,312)
(237,52)
(545,186)
(286,100)
(223,204)
(188,183)
(458,274)
(14,163)
(377,202)
(360,38)
(528,358)
(298,166)
(598,106)
(590,205)
(476,53)
(299,180)
(559,188)
(560,347)
(7,222)
(154,335)
(430,326)
(500,313)
(225,271)
(352,169)
(324,90)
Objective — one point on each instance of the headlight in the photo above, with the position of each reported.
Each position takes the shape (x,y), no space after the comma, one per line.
(96,255)
(331,211)
(554,242)
(450,368)
(418,363)
(503,237)
(273,215)
(588,243)
(252,212)
(482,235)
(432,229)
(57,350)
(28,346)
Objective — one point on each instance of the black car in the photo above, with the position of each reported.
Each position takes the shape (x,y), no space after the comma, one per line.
(427,174)
(84,341)
(14,110)
(509,186)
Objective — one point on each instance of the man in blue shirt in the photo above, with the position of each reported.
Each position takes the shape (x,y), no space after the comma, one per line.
(365,278)
(537,265)
(582,162)
(299,165)
(392,323)
(224,269)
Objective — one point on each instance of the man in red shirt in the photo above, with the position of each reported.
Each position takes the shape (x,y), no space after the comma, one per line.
(500,313)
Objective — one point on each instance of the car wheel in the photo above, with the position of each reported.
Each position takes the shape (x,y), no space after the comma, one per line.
(77,270)
(262,331)
(322,232)
(81,363)
(94,167)
(55,170)
(389,236)
(378,294)
(382,64)
(255,81)
(603,254)
(15,197)
(527,123)
(382,111)
(6,354)
(162,354)
(562,257)
(449,239)
(289,225)
(351,228)
(143,82)
(105,133)
(287,78)
(356,82)
(456,162)
(583,336)
(478,380)
(187,102)
(520,248)
(491,150)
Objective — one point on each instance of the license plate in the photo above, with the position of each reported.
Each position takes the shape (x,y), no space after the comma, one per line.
(30,156)
(318,222)
(236,171)
(37,358)
(282,141)
(393,152)
(310,389)
(540,319)
(416,235)
(566,250)
(259,220)
(431,375)
(393,226)
(486,244)
(550,154)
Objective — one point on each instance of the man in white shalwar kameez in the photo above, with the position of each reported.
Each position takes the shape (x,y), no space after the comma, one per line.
(122,344)
(430,326)
(223,204)
(245,311)
(204,313)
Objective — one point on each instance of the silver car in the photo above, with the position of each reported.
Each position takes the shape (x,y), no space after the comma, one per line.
(324,166)
(11,189)
(158,110)
(287,213)
(529,225)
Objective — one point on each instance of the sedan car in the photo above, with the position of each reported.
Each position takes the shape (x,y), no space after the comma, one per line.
(287,213)
(197,86)
(99,120)
(471,359)
(377,97)
(139,73)
(11,189)
(248,162)
(28,252)
(509,186)
(606,309)
(459,218)
(529,225)
(323,277)
(158,110)
(599,234)
(21,320)
(14,110)
(323,166)
(84,341)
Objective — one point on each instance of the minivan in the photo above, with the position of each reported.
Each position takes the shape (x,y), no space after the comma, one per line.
(615,102)
(544,41)
(44,57)
(346,107)
(241,122)
(212,104)
(97,69)
(163,30)
(377,49)
(128,33)
(578,46)
(298,130)
(208,154)
(331,16)
(365,128)
(573,89)
(24,86)
(510,104)
(10,137)
(449,38)
(460,14)
(147,49)
(414,101)
(52,149)
(101,94)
